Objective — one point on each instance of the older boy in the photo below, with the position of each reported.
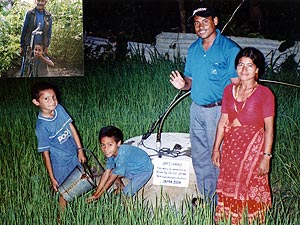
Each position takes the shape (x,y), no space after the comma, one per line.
(32,18)
(58,140)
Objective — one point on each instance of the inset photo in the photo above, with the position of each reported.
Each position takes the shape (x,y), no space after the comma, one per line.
(41,38)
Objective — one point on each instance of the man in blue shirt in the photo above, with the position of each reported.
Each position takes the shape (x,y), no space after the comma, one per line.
(209,68)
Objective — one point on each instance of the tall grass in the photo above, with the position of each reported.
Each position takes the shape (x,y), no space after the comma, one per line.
(130,95)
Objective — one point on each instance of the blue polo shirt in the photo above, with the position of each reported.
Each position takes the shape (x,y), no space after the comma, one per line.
(211,70)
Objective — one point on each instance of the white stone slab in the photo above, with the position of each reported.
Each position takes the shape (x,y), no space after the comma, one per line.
(178,180)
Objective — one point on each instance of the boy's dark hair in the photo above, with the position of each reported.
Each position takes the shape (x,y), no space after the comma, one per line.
(42,45)
(111,131)
(41,86)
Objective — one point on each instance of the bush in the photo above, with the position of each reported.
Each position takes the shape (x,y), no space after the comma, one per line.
(67,32)
(10,29)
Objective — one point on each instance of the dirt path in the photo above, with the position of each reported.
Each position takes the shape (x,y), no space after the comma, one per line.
(53,72)
(64,72)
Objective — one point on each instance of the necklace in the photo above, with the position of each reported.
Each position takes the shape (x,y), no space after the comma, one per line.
(237,95)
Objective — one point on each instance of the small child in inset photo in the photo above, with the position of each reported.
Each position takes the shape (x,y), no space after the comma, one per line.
(58,140)
(123,161)
(40,61)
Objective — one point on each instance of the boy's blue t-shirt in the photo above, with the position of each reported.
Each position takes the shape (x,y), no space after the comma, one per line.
(54,135)
(130,160)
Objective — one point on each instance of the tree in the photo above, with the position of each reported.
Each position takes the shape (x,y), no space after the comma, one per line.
(182,15)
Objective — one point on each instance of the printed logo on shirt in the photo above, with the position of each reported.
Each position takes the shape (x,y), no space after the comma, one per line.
(64,137)
(213,71)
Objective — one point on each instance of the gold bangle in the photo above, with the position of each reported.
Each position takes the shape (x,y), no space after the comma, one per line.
(268,154)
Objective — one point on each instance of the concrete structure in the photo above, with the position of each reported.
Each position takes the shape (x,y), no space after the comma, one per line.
(173,180)
(176,45)
(173,45)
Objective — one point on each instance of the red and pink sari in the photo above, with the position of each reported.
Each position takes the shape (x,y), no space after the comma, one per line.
(240,190)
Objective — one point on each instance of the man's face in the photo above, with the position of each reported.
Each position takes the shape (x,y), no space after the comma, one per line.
(40,4)
(205,26)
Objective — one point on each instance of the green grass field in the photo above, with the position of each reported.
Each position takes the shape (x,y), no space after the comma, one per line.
(131,96)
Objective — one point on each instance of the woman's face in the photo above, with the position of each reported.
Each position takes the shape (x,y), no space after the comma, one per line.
(246,69)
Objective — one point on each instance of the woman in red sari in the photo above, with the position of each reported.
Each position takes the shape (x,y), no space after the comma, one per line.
(245,131)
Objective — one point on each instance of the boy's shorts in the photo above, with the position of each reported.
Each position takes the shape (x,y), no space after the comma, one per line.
(136,182)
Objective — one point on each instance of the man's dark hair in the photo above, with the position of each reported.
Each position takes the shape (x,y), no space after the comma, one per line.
(111,131)
(41,86)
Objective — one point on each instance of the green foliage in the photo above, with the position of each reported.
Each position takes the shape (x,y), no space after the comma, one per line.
(10,27)
(67,37)
(67,40)
(285,171)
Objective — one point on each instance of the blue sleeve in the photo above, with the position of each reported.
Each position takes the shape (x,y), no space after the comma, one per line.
(43,139)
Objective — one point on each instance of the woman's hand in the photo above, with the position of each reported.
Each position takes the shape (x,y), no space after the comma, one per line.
(264,166)
(216,156)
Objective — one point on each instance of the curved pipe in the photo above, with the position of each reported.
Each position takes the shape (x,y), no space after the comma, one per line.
(167,112)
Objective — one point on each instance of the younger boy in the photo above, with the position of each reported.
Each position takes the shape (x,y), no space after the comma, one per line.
(122,161)
(58,140)
(40,61)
